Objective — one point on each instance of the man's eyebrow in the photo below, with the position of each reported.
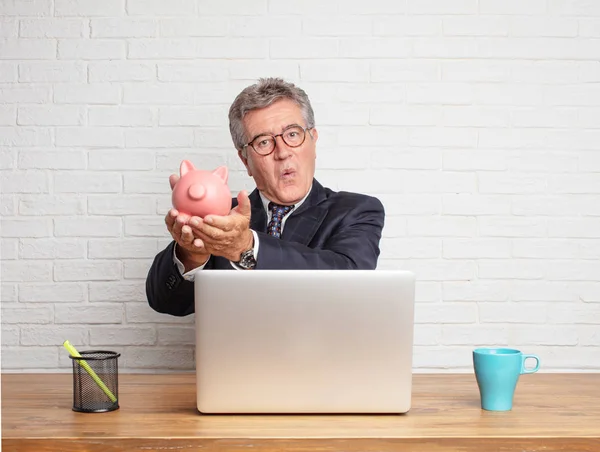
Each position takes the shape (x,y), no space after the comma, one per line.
(268,133)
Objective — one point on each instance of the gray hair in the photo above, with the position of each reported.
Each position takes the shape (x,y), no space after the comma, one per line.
(261,95)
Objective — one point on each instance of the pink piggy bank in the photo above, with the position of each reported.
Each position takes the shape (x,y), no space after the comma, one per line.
(200,193)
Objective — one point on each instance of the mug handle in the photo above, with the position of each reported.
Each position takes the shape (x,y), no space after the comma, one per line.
(524,370)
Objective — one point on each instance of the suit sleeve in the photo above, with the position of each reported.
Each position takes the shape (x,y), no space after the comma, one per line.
(166,290)
(352,245)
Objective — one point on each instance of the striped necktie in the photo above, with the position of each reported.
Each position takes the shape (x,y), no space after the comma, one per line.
(277,214)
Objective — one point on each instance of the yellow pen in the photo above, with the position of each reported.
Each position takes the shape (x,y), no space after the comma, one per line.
(73,352)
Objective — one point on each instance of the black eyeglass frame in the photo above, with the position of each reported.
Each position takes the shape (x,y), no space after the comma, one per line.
(304,130)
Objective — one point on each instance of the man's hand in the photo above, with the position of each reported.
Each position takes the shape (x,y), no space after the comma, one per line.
(228,236)
(189,250)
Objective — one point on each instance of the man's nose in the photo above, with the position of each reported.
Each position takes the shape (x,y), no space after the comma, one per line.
(282,150)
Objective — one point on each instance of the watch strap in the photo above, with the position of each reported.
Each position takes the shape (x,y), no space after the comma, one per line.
(247,260)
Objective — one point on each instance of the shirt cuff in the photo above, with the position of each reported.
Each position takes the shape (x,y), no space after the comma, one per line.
(189,276)
(254,251)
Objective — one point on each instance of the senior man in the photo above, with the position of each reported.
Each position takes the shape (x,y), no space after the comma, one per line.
(290,221)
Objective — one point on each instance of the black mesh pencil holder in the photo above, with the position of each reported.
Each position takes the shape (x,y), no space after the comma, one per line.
(95,381)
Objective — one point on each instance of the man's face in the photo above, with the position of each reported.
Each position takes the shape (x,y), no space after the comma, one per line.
(286,175)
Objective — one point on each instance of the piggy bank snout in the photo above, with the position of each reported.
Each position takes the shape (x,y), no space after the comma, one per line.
(197,191)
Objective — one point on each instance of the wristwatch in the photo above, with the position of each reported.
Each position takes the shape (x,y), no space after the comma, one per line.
(247,261)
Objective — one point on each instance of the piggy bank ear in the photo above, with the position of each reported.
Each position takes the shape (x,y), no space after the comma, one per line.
(222,172)
(185,167)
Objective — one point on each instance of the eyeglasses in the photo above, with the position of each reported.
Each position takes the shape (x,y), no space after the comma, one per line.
(264,144)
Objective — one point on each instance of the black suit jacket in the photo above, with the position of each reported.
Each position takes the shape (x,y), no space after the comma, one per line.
(330,230)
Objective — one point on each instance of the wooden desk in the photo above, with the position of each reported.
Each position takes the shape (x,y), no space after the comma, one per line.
(551,413)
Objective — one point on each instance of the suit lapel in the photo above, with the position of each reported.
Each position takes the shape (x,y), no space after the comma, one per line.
(258,219)
(301,227)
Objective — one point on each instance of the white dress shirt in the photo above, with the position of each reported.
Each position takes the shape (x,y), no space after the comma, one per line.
(189,276)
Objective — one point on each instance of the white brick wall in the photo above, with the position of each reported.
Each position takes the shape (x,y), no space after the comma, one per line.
(474,121)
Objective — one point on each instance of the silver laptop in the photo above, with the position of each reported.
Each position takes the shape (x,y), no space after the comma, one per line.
(304,341)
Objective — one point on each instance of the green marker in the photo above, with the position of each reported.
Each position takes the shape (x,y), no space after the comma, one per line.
(74,353)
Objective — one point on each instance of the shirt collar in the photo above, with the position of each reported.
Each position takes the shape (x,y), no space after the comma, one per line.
(266,201)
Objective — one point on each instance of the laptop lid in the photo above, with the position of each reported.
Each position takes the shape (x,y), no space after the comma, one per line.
(304,341)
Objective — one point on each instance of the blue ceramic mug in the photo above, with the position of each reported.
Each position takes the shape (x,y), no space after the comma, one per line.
(497,371)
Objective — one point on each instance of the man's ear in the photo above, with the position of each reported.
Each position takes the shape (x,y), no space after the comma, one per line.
(315,137)
(245,162)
